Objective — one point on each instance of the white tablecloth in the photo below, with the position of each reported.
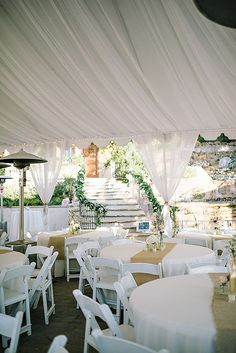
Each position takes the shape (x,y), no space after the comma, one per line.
(175,313)
(12,259)
(174,263)
(33,223)
(103,237)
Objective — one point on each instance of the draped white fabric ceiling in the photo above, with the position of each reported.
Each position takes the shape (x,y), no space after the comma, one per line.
(96,70)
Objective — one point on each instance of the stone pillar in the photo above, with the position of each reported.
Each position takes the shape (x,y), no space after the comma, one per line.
(90,155)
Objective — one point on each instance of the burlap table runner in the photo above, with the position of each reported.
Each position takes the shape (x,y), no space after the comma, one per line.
(4,251)
(152,258)
(224,314)
(58,241)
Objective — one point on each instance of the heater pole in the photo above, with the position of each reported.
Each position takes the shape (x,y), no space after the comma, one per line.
(22,183)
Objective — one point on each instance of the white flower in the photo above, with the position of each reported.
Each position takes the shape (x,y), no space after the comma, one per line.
(223,280)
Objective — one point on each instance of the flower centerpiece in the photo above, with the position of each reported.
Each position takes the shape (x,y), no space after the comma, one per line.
(223,284)
(74,223)
(151,242)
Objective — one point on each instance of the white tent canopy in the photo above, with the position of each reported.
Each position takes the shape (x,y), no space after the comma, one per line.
(94,70)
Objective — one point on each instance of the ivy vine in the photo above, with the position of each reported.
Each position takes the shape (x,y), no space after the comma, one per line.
(143,185)
(99,209)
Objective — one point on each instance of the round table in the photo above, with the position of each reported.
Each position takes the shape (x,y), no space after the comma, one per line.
(12,259)
(175,313)
(174,263)
(56,238)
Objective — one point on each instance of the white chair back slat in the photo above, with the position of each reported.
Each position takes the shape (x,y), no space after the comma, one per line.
(108,344)
(10,327)
(140,267)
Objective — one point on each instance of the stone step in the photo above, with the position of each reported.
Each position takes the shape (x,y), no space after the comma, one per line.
(117,195)
(108,192)
(122,207)
(122,219)
(113,213)
(107,202)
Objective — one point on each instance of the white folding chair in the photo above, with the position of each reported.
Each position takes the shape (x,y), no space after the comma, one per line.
(42,286)
(3,238)
(72,268)
(58,345)
(10,328)
(141,267)
(108,344)
(205,268)
(14,293)
(105,273)
(196,238)
(92,310)
(42,252)
(91,248)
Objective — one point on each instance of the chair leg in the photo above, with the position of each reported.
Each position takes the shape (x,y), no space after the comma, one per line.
(45,306)
(52,298)
(28,318)
(36,300)
(81,282)
(67,270)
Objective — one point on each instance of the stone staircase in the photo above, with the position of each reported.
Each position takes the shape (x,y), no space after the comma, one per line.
(122,207)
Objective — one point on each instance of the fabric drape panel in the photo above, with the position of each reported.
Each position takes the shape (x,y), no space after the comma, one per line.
(45,174)
(99,69)
(165,157)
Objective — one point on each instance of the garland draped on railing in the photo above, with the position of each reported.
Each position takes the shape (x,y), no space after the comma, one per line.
(99,209)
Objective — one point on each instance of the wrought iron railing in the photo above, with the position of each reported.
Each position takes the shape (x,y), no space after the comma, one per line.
(87,218)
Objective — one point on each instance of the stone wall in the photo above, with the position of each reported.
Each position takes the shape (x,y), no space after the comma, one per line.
(219,161)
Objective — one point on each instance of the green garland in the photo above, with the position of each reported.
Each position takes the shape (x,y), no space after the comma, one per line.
(143,185)
(99,209)
(156,207)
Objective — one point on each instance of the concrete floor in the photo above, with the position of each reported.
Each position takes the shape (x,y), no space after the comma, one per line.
(68,321)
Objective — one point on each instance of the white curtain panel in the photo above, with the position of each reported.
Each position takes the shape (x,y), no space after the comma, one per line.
(100,69)
(166,156)
(45,174)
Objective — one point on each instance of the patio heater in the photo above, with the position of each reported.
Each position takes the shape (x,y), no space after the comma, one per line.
(22,160)
(3,178)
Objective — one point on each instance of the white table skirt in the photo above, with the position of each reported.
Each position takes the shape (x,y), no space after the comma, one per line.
(174,263)
(12,259)
(175,313)
(33,223)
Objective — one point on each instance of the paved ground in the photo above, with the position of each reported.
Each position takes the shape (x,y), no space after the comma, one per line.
(68,321)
